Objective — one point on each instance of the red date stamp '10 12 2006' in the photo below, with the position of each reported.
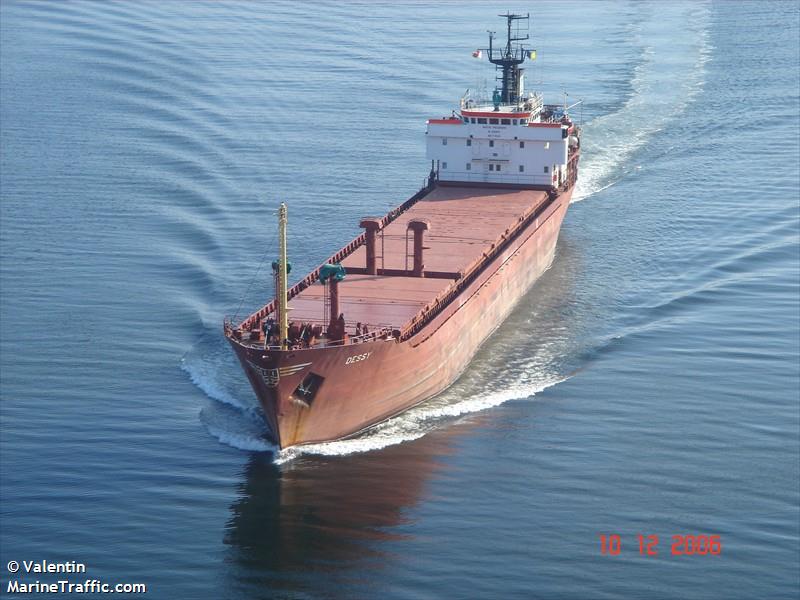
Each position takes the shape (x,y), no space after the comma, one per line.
(682,545)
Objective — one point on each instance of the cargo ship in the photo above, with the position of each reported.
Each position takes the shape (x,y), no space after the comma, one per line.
(396,315)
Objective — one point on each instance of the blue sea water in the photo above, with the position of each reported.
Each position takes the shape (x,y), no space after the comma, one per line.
(648,384)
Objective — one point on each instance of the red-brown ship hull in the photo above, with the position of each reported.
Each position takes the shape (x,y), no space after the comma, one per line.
(366,383)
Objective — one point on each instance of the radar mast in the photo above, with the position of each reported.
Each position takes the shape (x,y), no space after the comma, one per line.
(510,57)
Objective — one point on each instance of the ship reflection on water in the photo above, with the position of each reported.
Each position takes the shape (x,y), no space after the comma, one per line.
(323,516)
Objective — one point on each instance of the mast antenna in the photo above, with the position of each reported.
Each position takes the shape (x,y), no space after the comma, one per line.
(508,58)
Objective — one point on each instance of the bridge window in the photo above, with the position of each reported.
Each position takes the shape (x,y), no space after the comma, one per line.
(481,121)
(522,168)
(493,121)
(505,121)
(522,144)
(469,142)
(547,145)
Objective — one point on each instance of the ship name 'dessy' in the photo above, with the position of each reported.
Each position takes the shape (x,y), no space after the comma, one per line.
(357,358)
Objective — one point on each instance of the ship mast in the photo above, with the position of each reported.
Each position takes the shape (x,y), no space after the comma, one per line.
(509,58)
(283,313)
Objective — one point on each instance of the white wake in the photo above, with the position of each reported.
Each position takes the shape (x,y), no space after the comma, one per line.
(671,73)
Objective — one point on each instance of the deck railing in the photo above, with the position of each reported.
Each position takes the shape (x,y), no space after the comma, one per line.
(480,176)
(256,337)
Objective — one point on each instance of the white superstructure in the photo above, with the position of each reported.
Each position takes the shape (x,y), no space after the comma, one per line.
(526,143)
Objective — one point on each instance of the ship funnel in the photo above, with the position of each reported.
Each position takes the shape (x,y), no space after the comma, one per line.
(371,225)
(419,227)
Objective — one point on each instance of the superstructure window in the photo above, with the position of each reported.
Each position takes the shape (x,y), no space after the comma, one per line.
(505,121)
(444,165)
(469,142)
(491,167)
(547,145)
(546,169)
(497,167)
(522,144)
(491,143)
(514,121)
(523,121)
(469,166)
(472,119)
(444,141)
(493,121)
(481,121)
(522,168)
